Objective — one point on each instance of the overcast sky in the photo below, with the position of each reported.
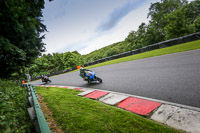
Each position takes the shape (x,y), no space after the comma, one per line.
(87,25)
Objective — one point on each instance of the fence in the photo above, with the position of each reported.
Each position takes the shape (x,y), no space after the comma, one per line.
(35,111)
(175,41)
(171,42)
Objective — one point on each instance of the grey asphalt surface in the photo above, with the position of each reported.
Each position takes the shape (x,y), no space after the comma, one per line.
(173,78)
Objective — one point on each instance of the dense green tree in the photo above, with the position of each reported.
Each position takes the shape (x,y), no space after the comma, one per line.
(168,19)
(141,36)
(56,62)
(157,13)
(153,34)
(183,21)
(197,24)
(177,24)
(11,56)
(20,39)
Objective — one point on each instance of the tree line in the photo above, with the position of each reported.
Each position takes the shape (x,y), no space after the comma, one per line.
(56,62)
(20,35)
(21,40)
(168,19)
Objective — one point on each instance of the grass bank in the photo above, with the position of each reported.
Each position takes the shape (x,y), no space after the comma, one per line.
(168,50)
(80,114)
(14,116)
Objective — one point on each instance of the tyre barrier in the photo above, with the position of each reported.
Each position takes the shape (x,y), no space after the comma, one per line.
(35,112)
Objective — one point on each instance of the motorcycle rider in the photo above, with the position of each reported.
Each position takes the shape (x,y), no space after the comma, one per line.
(83,72)
(89,75)
(44,77)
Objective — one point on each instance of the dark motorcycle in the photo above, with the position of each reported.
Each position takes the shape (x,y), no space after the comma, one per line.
(46,79)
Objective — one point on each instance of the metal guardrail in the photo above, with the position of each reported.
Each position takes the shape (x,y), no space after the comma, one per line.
(171,42)
(35,112)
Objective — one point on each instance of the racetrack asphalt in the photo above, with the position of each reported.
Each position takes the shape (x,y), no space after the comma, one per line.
(173,78)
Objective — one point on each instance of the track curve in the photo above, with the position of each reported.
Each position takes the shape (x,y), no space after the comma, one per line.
(173,78)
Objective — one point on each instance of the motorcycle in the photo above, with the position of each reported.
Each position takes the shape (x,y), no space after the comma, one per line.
(90,77)
(46,79)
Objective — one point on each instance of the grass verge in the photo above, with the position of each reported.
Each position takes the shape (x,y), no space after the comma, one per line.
(80,114)
(168,50)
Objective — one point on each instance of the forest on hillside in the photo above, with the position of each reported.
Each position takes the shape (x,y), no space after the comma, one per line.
(22,46)
(20,35)
(168,19)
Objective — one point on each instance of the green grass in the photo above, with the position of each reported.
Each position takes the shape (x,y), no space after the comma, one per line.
(80,114)
(168,50)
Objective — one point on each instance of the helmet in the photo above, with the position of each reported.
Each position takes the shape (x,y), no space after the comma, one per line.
(81,68)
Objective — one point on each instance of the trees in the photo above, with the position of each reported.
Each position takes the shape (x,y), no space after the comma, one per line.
(21,42)
(168,19)
(10,57)
(197,24)
(20,38)
(137,39)
(56,62)
(183,21)
(176,24)
(157,13)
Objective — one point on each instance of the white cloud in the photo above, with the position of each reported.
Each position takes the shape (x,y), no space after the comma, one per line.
(73,25)
(118,13)
(130,22)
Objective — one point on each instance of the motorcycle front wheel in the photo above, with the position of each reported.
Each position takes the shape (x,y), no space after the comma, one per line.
(99,79)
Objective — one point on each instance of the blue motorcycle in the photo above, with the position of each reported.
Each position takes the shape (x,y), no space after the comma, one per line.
(89,76)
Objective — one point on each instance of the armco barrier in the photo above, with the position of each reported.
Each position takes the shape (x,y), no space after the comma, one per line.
(35,112)
(171,42)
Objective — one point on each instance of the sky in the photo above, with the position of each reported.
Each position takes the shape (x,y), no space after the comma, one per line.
(88,25)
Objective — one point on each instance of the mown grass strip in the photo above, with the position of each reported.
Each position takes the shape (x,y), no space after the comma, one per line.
(168,50)
(80,114)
